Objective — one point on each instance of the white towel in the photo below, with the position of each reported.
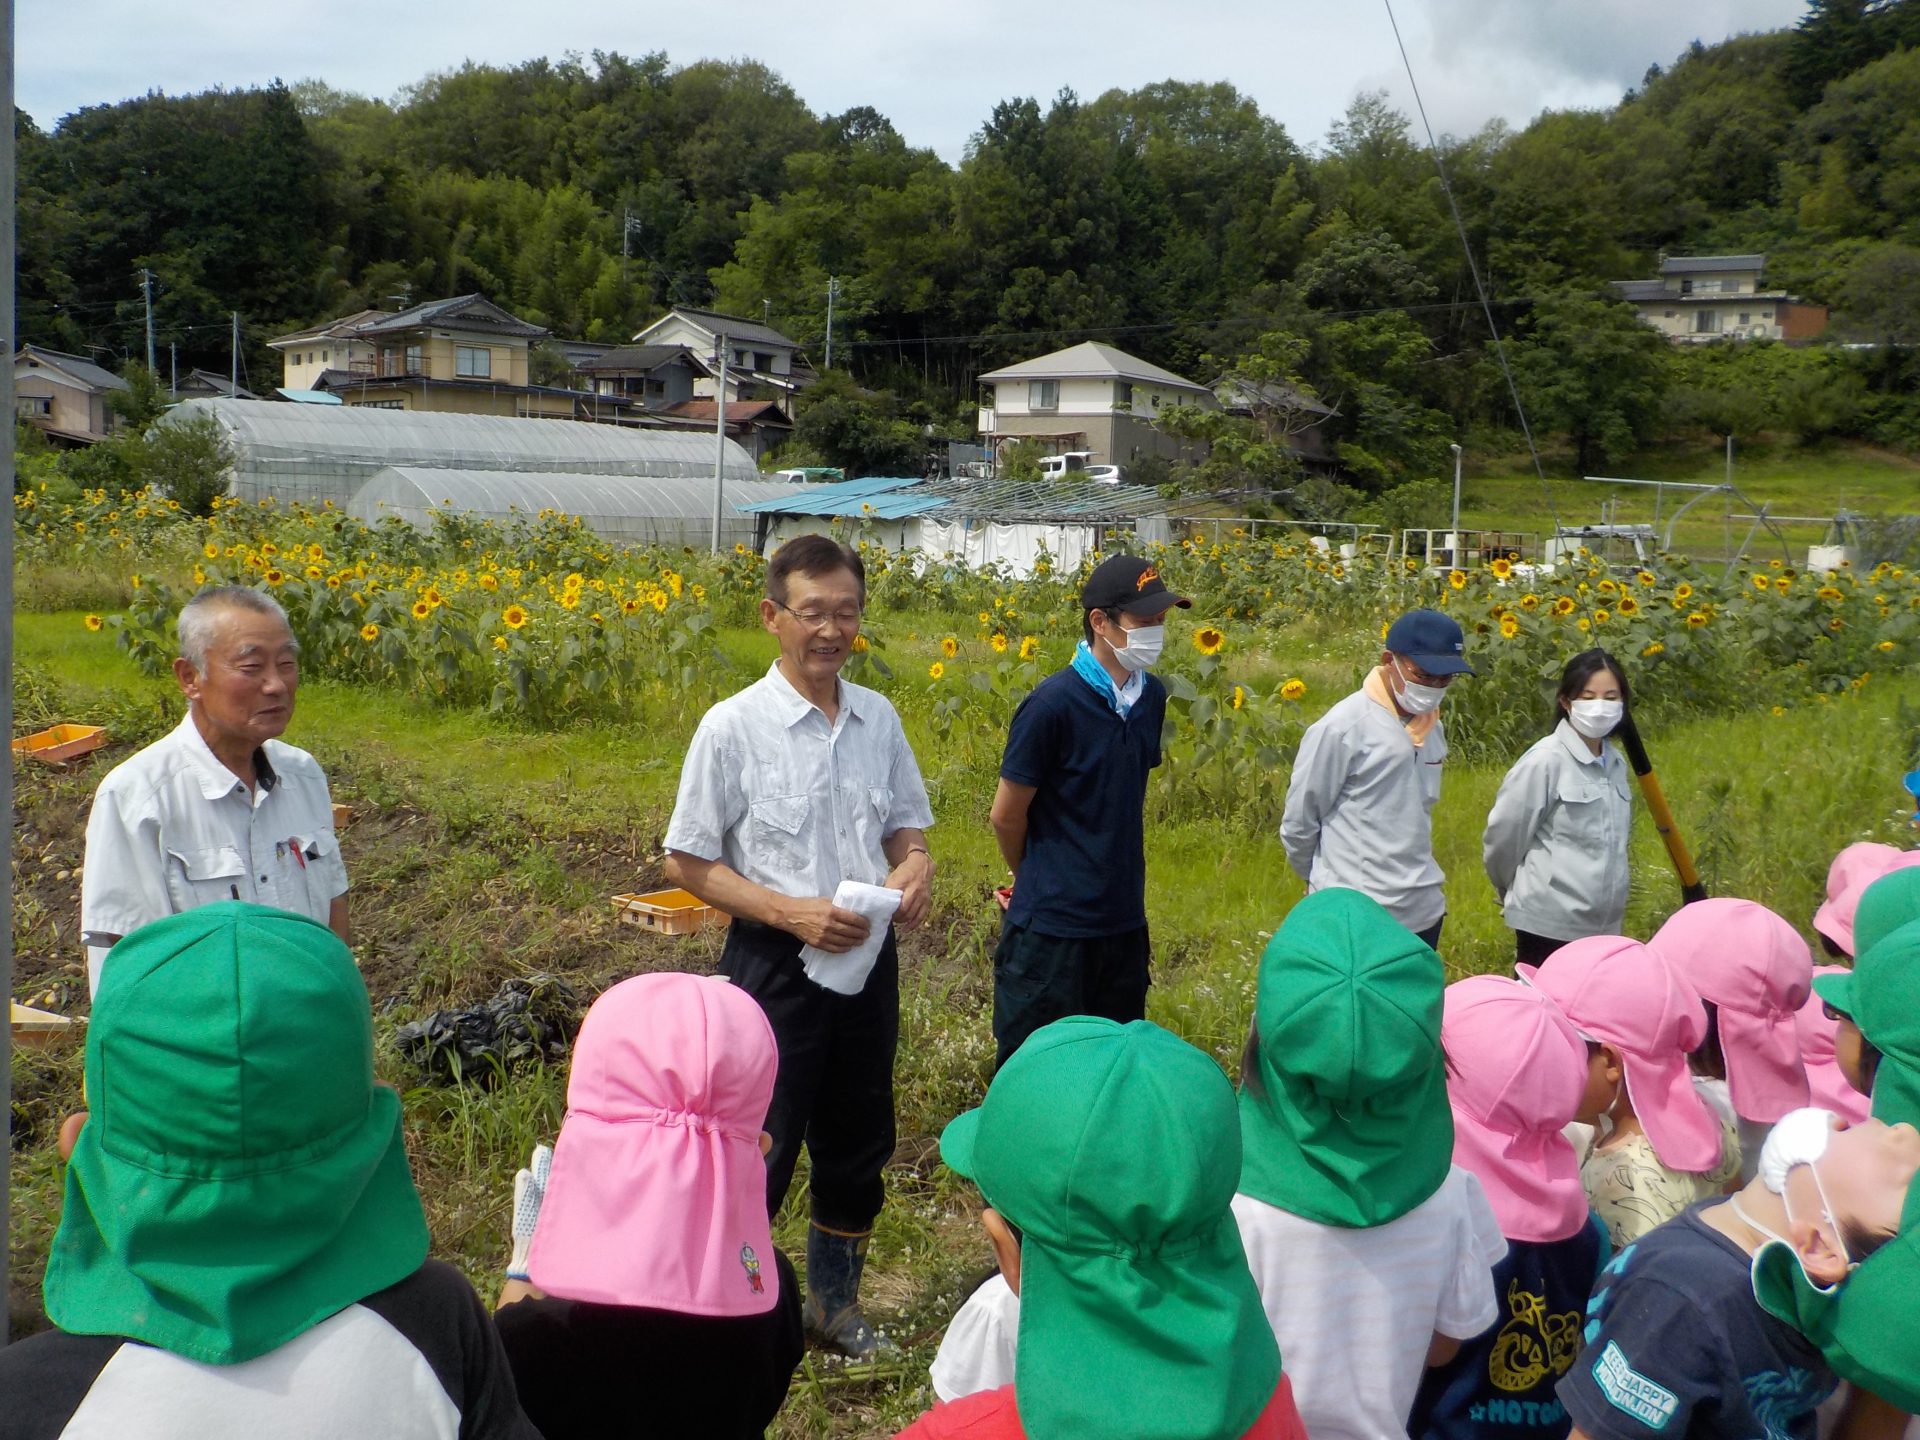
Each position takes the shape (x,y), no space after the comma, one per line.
(847,972)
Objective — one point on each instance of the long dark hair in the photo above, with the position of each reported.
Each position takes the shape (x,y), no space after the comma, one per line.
(1582,668)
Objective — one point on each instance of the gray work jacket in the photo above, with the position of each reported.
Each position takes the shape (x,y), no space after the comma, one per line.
(1359,809)
(1556,841)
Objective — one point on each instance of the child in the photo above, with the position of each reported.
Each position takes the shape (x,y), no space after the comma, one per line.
(241,1251)
(1518,1074)
(1374,1253)
(1660,1147)
(1853,870)
(977,1352)
(1878,1042)
(1113,1149)
(651,1238)
(1677,1345)
(1753,971)
(1827,1084)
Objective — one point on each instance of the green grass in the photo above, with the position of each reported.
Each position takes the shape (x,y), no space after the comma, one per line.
(483,851)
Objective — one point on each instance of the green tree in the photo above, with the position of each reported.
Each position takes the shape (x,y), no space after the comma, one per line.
(859,430)
(1590,369)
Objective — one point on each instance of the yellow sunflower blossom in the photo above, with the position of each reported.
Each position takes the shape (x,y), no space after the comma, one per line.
(859,644)
(1655,648)
(1239,696)
(1600,617)
(499,642)
(514,616)
(659,601)
(421,609)
(1696,619)
(1836,624)
(274,577)
(1783,583)
(93,622)
(1501,567)
(369,632)
(1683,591)
(1509,627)
(949,647)
(1529,602)
(1884,645)
(1293,689)
(936,670)
(1563,606)
(1030,647)
(1457,579)
(1208,640)
(1828,592)
(1645,577)
(569,599)
(999,643)
(1762,584)
(1627,605)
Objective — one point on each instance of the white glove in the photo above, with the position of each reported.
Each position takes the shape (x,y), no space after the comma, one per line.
(529,1193)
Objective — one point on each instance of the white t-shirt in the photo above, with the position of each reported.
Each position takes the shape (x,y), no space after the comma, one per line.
(1356,1310)
(977,1353)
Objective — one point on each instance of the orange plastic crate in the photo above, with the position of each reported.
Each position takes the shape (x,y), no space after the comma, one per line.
(60,743)
(666,912)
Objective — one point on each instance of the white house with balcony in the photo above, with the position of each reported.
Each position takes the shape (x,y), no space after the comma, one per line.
(762,364)
(1089,397)
(1713,297)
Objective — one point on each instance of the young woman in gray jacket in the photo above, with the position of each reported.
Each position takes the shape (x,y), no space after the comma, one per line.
(1556,841)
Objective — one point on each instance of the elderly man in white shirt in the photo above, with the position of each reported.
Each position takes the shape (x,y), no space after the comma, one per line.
(220,809)
(793,790)
(1360,801)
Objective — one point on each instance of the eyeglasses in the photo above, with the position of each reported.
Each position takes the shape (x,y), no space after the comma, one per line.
(843,618)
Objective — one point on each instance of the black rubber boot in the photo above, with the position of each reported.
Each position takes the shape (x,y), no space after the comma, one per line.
(832,1313)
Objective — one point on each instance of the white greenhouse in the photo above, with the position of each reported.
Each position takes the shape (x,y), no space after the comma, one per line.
(621,509)
(311,454)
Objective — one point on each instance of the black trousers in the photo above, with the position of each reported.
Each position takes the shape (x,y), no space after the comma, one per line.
(1038,979)
(1532,949)
(834,1089)
(1432,933)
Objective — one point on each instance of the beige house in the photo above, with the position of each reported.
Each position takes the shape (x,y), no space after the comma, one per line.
(64,396)
(1088,397)
(1713,297)
(465,355)
(762,364)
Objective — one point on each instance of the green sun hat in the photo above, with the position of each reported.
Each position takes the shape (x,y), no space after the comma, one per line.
(1115,1149)
(1865,1328)
(240,1178)
(1344,1119)
(1886,1006)
(1885,906)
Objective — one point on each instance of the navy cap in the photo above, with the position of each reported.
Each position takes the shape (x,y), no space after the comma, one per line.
(1433,641)
(1126,582)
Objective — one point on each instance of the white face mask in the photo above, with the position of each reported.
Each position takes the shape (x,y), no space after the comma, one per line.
(1595,719)
(1142,648)
(1417,699)
(1798,1138)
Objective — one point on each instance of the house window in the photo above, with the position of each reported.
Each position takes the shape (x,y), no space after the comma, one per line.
(1043,394)
(1123,394)
(326,357)
(1706,322)
(762,360)
(473,362)
(1745,318)
(1686,287)
(1156,399)
(416,361)
(1766,314)
(33,406)
(1669,314)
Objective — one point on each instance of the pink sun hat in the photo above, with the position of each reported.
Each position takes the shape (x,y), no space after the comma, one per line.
(658,1195)
(1830,1089)
(1852,871)
(1517,1071)
(1757,971)
(1626,995)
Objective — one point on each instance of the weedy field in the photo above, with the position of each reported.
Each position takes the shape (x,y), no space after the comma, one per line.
(509,735)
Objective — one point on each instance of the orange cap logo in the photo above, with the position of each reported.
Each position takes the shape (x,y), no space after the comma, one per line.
(1146,575)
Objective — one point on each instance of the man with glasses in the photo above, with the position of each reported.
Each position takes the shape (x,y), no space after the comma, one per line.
(1360,803)
(795,785)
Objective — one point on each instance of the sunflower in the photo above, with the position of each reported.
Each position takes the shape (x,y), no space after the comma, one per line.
(575,581)
(499,642)
(1783,583)
(949,647)
(985,618)
(569,599)
(314,572)
(1697,619)
(1509,627)
(1836,624)
(211,551)
(1683,591)
(1885,645)
(421,609)
(1029,647)
(1528,602)
(514,616)
(659,599)
(1293,689)
(1501,567)
(269,549)
(999,643)
(1563,606)
(1600,617)
(489,582)
(859,644)
(1457,579)
(936,670)
(93,622)
(1584,624)
(1628,605)
(1208,640)
(369,632)
(1762,583)
(1645,577)
(1828,592)
(1239,696)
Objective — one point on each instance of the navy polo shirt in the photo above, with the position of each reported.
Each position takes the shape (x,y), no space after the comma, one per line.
(1085,871)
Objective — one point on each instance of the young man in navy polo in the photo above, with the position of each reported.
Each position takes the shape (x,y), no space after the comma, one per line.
(1068,816)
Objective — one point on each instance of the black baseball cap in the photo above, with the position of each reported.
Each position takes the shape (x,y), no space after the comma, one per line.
(1126,582)
(1433,641)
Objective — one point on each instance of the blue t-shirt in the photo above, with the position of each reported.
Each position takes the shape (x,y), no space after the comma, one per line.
(1500,1385)
(1085,871)
(1676,1345)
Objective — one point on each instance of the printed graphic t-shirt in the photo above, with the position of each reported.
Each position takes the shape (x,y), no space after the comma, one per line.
(1500,1385)
(1676,1345)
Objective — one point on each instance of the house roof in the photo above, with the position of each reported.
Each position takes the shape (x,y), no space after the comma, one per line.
(1709,264)
(644,358)
(717,322)
(328,329)
(739,412)
(895,498)
(337,380)
(461,312)
(75,367)
(1091,360)
(219,384)
(1229,391)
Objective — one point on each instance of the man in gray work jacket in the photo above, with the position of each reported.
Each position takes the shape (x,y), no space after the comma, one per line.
(1360,803)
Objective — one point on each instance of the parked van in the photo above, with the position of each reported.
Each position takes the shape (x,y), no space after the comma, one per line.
(1052,467)
(809,474)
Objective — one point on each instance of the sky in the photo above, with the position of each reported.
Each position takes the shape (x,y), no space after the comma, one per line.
(935,70)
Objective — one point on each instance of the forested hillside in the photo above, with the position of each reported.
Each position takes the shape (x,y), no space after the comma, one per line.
(1176,221)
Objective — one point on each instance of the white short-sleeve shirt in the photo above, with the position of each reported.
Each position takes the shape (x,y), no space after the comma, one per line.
(172,828)
(1356,1310)
(791,800)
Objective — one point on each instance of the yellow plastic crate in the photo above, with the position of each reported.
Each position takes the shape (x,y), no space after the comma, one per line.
(666,912)
(60,743)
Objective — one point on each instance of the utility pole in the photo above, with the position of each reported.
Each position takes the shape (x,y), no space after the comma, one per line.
(629,222)
(833,288)
(233,358)
(173,369)
(1454,544)
(146,290)
(6,639)
(719,439)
